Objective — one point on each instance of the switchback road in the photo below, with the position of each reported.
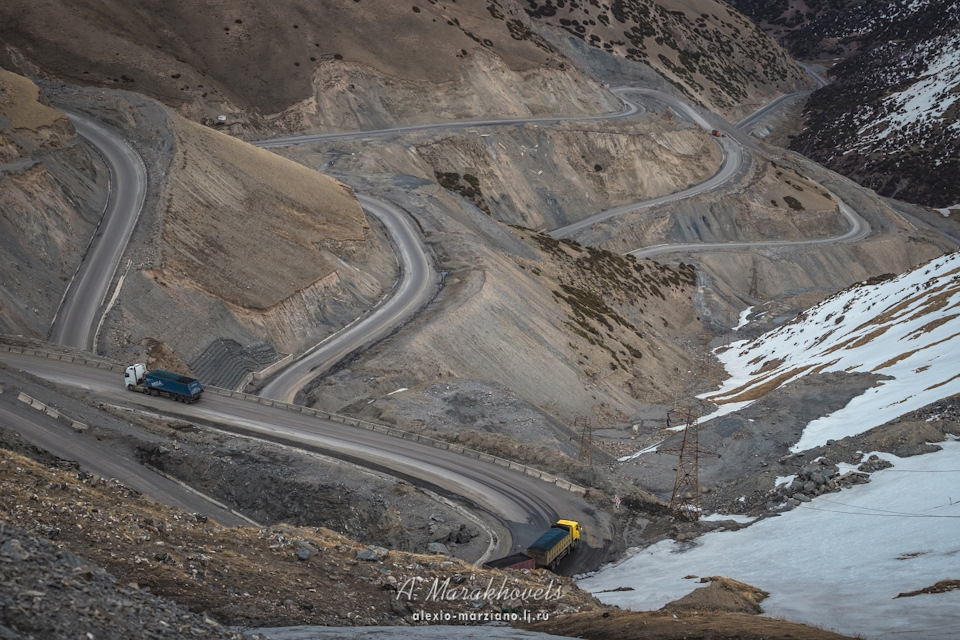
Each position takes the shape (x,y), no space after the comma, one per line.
(78,319)
(523,504)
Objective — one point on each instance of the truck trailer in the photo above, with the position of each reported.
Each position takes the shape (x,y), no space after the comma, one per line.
(555,543)
(162,383)
(514,561)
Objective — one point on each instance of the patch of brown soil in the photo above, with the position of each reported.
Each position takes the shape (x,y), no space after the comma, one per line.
(161,356)
(785,187)
(904,437)
(757,389)
(722,594)
(246,576)
(941,587)
(22,104)
(32,125)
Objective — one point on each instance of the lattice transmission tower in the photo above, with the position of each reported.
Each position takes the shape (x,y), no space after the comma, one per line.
(586,439)
(685,500)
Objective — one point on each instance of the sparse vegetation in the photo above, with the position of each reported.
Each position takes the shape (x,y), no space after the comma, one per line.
(793,203)
(466,185)
(599,285)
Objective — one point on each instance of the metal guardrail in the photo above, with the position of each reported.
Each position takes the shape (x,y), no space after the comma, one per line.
(51,411)
(324,415)
(405,435)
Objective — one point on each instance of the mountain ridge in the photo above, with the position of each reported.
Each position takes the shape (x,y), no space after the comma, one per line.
(889,118)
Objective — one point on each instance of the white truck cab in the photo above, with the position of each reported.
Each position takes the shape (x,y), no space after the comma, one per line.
(134,375)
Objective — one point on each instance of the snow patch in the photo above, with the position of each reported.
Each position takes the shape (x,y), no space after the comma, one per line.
(907,328)
(719,517)
(785,481)
(649,449)
(838,561)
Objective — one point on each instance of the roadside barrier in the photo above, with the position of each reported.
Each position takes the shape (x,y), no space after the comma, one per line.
(317,413)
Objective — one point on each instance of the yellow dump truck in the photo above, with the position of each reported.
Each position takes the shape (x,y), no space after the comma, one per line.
(555,543)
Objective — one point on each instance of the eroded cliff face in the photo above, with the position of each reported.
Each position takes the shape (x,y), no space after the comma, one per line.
(246,247)
(537,176)
(51,192)
(545,178)
(350,96)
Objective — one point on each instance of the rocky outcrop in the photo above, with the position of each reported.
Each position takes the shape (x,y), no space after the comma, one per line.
(48,592)
(711,54)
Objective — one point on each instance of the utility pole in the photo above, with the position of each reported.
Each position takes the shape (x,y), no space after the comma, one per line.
(586,439)
(685,500)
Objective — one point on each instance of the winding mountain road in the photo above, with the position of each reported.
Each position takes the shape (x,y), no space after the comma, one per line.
(629,109)
(78,319)
(522,504)
(418,281)
(859,229)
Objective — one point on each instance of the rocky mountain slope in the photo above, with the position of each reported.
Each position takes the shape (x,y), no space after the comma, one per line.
(889,118)
(276,256)
(808,451)
(711,54)
(302,66)
(242,576)
(243,255)
(216,275)
(51,193)
(299,65)
(79,553)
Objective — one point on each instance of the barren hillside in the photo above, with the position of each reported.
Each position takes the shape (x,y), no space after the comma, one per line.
(297,64)
(709,52)
(124,564)
(369,64)
(52,191)
(888,118)
(266,253)
(537,349)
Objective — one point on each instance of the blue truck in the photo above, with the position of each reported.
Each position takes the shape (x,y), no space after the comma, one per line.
(162,383)
(555,543)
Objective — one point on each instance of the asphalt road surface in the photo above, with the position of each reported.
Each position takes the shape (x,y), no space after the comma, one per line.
(859,229)
(418,282)
(523,506)
(63,441)
(78,319)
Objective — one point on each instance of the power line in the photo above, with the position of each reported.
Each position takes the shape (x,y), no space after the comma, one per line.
(685,499)
(855,506)
(920,470)
(879,515)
